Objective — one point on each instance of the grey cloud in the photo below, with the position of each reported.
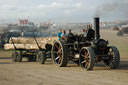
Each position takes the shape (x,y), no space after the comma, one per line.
(63,10)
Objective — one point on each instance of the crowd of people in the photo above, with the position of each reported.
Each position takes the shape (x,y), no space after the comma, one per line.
(62,35)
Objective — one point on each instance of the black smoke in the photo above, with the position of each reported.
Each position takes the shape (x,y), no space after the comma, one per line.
(116,9)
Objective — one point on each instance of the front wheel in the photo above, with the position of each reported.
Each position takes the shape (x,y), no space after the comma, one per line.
(87,58)
(115,61)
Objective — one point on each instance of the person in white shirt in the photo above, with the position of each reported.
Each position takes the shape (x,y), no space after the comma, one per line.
(64,35)
(84,32)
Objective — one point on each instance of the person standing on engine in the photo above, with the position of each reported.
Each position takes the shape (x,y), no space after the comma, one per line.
(70,33)
(64,35)
(84,33)
(59,34)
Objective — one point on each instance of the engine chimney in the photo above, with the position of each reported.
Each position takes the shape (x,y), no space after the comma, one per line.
(97,28)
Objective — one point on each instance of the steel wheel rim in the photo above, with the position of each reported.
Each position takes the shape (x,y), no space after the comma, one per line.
(111,53)
(85,59)
(57,53)
(13,57)
(39,56)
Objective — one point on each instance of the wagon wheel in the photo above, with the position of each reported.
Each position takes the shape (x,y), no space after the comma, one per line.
(35,58)
(87,58)
(14,56)
(115,61)
(32,58)
(42,57)
(59,54)
(19,57)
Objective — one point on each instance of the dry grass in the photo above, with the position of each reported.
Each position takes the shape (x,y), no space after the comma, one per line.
(120,42)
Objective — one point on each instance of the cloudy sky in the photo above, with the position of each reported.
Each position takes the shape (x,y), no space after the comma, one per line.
(62,10)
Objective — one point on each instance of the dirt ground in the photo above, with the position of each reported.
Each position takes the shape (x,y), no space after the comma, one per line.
(33,73)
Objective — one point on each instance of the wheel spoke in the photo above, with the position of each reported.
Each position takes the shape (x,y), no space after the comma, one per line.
(56,52)
(82,55)
(60,50)
(86,64)
(59,47)
(56,46)
(87,54)
(83,61)
(57,58)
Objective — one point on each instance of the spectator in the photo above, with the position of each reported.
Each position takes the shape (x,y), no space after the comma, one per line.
(59,34)
(71,37)
(70,34)
(84,32)
(64,35)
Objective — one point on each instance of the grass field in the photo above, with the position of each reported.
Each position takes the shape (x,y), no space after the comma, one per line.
(120,42)
(5,53)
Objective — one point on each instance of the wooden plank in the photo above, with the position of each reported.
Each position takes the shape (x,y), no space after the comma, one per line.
(29,43)
(22,40)
(22,46)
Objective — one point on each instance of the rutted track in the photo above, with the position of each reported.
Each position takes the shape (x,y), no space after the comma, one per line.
(32,73)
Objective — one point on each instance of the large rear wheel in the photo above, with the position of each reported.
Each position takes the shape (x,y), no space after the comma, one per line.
(87,58)
(59,53)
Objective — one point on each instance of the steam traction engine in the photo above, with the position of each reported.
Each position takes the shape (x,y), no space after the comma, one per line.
(85,51)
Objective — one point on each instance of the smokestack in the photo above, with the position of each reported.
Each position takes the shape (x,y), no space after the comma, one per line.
(97,28)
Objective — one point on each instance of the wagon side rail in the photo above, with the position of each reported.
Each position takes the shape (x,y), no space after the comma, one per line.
(37,42)
(13,43)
